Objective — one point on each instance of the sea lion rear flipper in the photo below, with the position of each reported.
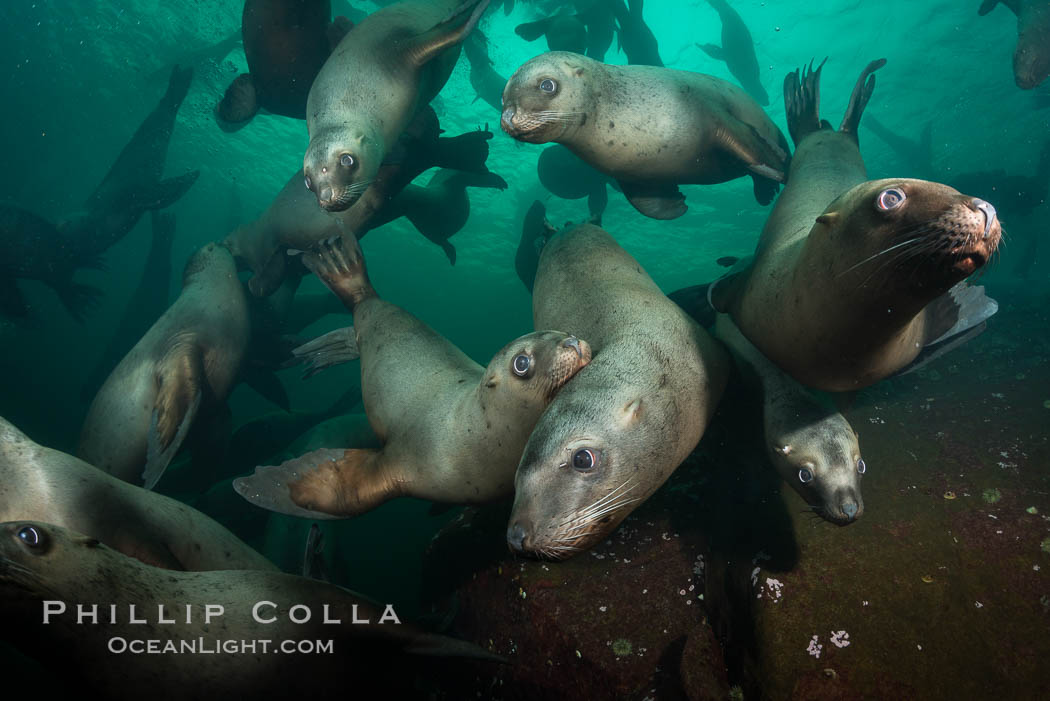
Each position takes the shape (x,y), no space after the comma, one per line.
(765,189)
(449,249)
(266,281)
(180,385)
(333,348)
(535,230)
(326,483)
(802,101)
(165,193)
(655,200)
(178,85)
(531,31)
(77,299)
(714,51)
(445,34)
(467,152)
(862,91)
(987,6)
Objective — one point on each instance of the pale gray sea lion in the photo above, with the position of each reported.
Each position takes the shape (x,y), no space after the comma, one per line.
(650,128)
(375,82)
(37,482)
(615,433)
(852,278)
(812,446)
(220,652)
(185,365)
(436,410)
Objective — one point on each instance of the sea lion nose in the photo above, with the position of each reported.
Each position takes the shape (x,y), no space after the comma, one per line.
(574,343)
(989,214)
(507,118)
(326,195)
(850,509)
(516,537)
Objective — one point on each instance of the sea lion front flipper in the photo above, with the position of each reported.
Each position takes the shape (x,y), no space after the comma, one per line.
(858,100)
(326,483)
(596,203)
(714,51)
(951,320)
(266,281)
(431,43)
(531,31)
(655,200)
(266,383)
(313,557)
(180,382)
(76,298)
(987,6)
(466,152)
(163,194)
(333,348)
(449,249)
(238,105)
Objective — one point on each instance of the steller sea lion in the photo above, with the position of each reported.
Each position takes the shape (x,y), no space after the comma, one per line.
(737,50)
(37,482)
(650,128)
(185,364)
(813,448)
(852,278)
(615,433)
(1032,55)
(211,634)
(285,44)
(376,81)
(436,410)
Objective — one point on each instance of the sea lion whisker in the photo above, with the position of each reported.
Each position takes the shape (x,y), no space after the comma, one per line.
(886,250)
(580,513)
(609,509)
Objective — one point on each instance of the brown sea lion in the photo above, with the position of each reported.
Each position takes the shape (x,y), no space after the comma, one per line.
(452,430)
(1032,55)
(615,433)
(285,44)
(650,128)
(372,87)
(37,482)
(852,278)
(212,634)
(186,363)
(812,446)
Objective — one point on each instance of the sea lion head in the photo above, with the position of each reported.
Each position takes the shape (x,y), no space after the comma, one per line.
(238,105)
(33,556)
(548,97)
(340,164)
(821,461)
(537,364)
(921,236)
(585,467)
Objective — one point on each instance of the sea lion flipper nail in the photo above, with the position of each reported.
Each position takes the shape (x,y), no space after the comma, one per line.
(333,348)
(445,34)
(656,200)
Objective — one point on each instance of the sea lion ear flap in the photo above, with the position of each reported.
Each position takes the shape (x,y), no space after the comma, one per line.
(633,412)
(578,71)
(828,218)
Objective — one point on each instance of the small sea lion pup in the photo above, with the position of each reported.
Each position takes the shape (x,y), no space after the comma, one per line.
(1032,55)
(185,365)
(615,433)
(853,278)
(41,483)
(812,447)
(650,128)
(217,627)
(452,430)
(376,80)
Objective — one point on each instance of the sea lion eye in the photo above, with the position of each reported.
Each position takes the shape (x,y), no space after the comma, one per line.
(308,183)
(521,364)
(861,467)
(584,459)
(346,160)
(548,85)
(31,537)
(891,199)
(805,476)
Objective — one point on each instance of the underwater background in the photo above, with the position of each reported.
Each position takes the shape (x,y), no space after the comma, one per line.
(78,76)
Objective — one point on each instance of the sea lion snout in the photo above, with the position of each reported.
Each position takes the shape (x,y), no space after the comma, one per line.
(516,534)
(989,215)
(574,343)
(507,120)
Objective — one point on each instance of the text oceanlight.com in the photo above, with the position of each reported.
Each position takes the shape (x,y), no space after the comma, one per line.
(202,646)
